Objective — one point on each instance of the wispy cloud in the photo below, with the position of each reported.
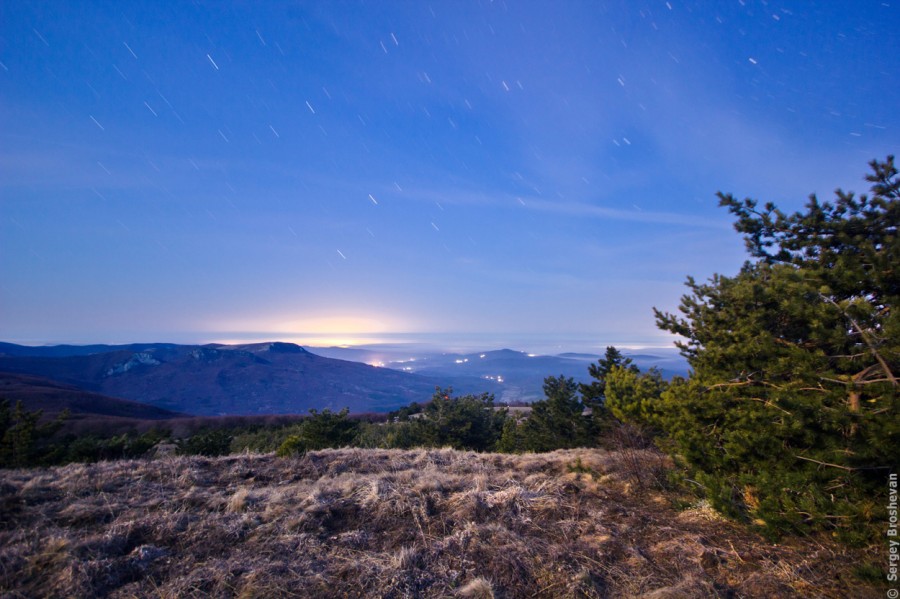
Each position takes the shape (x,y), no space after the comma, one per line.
(575,209)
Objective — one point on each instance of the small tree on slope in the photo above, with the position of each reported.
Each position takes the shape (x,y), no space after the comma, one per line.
(790,415)
(593,394)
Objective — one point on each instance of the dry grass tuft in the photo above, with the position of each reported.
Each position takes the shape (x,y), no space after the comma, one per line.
(238,502)
(389,523)
(405,559)
(477,588)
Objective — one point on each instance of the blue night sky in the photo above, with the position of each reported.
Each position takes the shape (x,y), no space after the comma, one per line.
(532,174)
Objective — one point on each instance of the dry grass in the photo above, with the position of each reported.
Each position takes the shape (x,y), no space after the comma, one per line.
(386,523)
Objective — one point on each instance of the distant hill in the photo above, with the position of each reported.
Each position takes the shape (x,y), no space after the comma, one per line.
(519,375)
(265,378)
(580,356)
(63,351)
(37,393)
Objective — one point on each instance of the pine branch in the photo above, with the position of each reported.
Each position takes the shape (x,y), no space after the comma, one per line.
(868,341)
(847,468)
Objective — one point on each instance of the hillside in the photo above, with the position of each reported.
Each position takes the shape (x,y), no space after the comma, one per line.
(52,397)
(390,523)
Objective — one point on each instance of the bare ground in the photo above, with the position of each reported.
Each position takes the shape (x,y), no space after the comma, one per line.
(388,523)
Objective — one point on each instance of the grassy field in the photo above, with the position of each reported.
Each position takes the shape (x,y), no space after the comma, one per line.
(391,523)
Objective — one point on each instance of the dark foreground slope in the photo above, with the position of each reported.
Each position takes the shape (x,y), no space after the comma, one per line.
(389,523)
(53,398)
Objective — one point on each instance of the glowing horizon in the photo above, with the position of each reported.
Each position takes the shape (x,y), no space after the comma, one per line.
(536,344)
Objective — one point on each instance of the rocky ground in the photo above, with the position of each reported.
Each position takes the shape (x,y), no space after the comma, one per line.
(391,523)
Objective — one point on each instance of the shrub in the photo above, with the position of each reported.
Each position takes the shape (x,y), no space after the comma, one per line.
(321,430)
(467,422)
(208,443)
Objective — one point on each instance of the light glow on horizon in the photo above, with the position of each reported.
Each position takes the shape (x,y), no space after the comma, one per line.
(306,340)
(319,331)
(532,345)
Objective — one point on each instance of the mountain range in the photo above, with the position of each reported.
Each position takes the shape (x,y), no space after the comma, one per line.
(272,378)
(266,378)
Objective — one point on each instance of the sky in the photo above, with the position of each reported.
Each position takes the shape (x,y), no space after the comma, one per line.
(528,174)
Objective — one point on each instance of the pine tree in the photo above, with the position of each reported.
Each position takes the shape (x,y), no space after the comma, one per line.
(790,415)
(556,422)
(633,397)
(23,438)
(594,393)
(468,422)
